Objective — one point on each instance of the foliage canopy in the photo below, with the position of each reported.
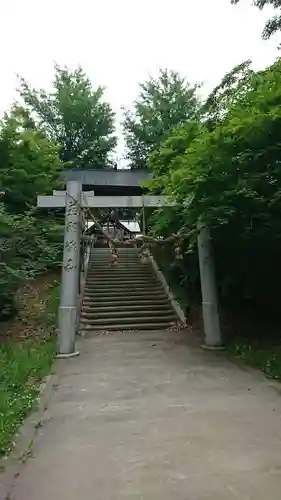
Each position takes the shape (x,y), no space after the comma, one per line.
(74,116)
(224,169)
(163,102)
(29,164)
(29,243)
(273,25)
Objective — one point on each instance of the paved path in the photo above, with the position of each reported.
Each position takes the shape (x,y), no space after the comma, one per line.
(143,416)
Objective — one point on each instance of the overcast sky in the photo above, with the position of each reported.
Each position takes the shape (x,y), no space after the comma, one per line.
(119,42)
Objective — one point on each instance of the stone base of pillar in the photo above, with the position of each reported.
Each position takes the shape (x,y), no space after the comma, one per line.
(213,347)
(213,338)
(67,331)
(67,356)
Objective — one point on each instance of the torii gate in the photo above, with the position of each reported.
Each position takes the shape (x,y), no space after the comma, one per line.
(111,181)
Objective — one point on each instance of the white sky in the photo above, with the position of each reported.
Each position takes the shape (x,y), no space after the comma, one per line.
(119,42)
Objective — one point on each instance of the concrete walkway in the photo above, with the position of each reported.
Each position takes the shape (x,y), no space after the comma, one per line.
(144,416)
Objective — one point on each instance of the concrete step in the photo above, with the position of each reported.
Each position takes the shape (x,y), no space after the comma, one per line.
(136,267)
(110,285)
(120,252)
(134,297)
(120,306)
(146,313)
(124,293)
(121,249)
(118,265)
(128,326)
(128,286)
(121,286)
(138,320)
(121,255)
(128,274)
(120,276)
(119,270)
(117,302)
(115,270)
(119,281)
(121,258)
(125,296)
(117,316)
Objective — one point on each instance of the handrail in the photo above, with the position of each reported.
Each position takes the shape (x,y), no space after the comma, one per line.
(87,243)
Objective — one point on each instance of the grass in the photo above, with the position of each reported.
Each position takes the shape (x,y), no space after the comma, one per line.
(254,353)
(257,348)
(23,365)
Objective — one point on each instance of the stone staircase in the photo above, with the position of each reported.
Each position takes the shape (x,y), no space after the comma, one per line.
(125,296)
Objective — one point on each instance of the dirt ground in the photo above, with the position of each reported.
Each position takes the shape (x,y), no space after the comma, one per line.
(31,299)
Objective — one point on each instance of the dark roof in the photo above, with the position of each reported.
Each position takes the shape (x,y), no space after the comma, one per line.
(93,229)
(114,178)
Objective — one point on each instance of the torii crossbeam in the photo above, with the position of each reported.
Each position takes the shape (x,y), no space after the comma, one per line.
(91,201)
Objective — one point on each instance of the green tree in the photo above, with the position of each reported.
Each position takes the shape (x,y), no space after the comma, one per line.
(274,24)
(75,116)
(243,148)
(29,246)
(232,88)
(229,176)
(163,103)
(29,161)
(29,242)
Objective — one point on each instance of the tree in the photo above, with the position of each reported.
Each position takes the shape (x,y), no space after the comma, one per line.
(240,158)
(228,176)
(30,163)
(28,246)
(163,103)
(232,89)
(74,116)
(29,243)
(273,25)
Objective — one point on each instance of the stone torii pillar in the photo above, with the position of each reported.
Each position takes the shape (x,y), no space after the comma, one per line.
(211,320)
(70,272)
